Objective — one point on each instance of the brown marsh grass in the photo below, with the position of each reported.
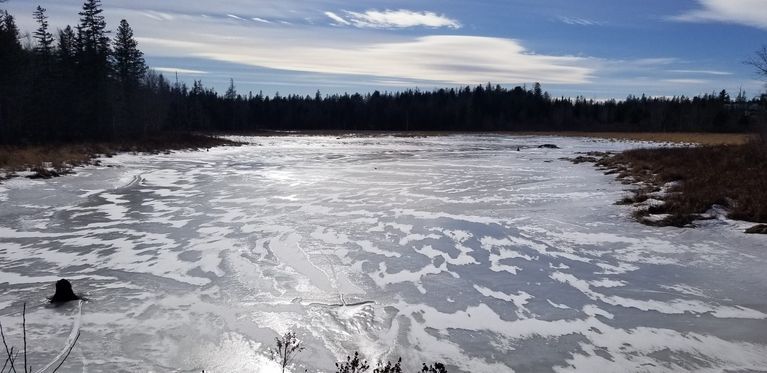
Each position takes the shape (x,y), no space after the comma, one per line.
(673,137)
(734,176)
(62,157)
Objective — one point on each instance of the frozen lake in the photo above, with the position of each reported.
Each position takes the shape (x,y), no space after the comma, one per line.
(457,249)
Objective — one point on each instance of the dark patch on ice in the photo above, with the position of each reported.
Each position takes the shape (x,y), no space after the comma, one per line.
(190,255)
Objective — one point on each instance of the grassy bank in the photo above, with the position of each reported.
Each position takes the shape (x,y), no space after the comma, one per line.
(687,182)
(672,137)
(56,159)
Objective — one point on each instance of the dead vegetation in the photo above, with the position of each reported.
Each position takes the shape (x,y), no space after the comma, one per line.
(47,161)
(668,137)
(686,182)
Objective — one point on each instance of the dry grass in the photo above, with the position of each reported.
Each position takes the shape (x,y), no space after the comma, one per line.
(734,176)
(674,137)
(16,158)
(63,157)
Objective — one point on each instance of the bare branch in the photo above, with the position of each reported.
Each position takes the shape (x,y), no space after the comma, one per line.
(5,364)
(24,331)
(8,351)
(759,61)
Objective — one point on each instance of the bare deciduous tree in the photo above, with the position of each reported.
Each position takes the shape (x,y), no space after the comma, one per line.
(759,62)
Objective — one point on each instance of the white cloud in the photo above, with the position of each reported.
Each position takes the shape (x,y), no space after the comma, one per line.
(257,19)
(576,21)
(745,12)
(446,59)
(441,59)
(686,81)
(701,72)
(158,16)
(174,70)
(401,18)
(338,20)
(649,62)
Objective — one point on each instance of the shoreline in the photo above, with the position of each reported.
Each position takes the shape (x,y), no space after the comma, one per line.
(677,186)
(659,195)
(53,160)
(702,138)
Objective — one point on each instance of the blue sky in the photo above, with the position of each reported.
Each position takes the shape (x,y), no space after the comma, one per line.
(595,48)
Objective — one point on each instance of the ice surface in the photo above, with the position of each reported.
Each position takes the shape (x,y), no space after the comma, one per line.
(457,249)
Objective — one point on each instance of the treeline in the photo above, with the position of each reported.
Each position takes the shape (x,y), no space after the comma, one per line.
(83,83)
(77,84)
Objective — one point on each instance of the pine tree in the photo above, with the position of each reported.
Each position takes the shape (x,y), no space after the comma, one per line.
(11,62)
(92,32)
(9,33)
(67,45)
(128,60)
(65,99)
(231,92)
(94,101)
(43,37)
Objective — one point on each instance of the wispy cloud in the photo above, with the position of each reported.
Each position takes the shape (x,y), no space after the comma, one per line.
(361,53)
(651,62)
(745,12)
(441,59)
(158,16)
(401,18)
(576,21)
(686,81)
(337,19)
(174,70)
(701,72)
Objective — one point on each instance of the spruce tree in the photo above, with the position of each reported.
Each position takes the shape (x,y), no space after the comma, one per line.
(128,61)
(42,36)
(11,62)
(93,30)
(94,101)
(67,46)
(9,33)
(128,69)
(231,92)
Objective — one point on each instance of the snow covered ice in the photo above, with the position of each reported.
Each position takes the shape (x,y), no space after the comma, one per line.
(458,249)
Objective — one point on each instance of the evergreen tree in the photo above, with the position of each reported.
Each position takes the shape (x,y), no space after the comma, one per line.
(11,62)
(9,33)
(92,32)
(231,92)
(127,59)
(128,69)
(67,50)
(42,36)
(94,103)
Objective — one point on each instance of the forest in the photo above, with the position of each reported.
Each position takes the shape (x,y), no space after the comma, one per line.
(87,83)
